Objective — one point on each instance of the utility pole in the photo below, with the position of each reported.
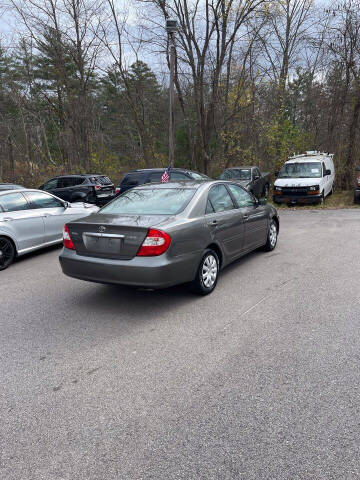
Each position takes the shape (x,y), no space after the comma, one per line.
(171,27)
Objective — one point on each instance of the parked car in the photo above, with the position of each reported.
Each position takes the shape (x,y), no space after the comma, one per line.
(160,235)
(357,186)
(9,186)
(31,219)
(89,188)
(153,175)
(307,178)
(258,183)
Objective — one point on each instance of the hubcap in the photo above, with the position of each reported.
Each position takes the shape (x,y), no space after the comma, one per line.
(273,234)
(209,271)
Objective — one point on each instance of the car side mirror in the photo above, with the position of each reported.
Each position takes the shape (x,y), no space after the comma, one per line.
(327,172)
(262,201)
(67,205)
(276,173)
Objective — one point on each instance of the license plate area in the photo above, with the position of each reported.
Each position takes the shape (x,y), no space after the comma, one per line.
(103,244)
(103,195)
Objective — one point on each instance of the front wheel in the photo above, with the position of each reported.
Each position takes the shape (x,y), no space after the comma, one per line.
(272,237)
(207,274)
(7,253)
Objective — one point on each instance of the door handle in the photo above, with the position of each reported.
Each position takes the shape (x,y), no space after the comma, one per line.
(213,222)
(8,219)
(245,217)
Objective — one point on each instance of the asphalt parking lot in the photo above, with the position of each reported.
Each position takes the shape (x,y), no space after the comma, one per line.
(260,380)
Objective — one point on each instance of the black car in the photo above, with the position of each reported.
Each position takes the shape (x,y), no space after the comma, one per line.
(256,182)
(153,175)
(89,188)
(9,186)
(357,186)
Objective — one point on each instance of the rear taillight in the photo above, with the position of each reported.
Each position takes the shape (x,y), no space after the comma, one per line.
(117,191)
(155,243)
(97,187)
(67,242)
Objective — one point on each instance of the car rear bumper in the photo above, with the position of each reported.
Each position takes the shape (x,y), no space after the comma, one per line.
(100,201)
(357,196)
(148,272)
(304,199)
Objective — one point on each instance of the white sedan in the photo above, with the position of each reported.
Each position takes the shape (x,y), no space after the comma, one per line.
(32,219)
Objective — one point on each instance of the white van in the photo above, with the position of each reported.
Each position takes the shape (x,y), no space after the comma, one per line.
(306,178)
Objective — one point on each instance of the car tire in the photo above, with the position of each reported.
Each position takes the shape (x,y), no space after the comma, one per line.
(7,252)
(207,274)
(322,198)
(272,236)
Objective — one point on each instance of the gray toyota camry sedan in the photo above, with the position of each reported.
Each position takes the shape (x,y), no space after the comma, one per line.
(159,235)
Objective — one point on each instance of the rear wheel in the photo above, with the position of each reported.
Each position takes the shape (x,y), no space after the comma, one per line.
(207,274)
(7,252)
(272,236)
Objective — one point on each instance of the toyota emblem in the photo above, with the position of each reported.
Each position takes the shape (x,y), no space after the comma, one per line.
(102,228)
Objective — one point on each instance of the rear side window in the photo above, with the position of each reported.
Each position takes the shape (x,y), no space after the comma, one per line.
(220,198)
(133,179)
(13,202)
(155,177)
(66,182)
(51,184)
(178,176)
(150,201)
(198,176)
(43,200)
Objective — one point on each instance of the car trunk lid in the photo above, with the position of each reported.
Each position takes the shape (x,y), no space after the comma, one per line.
(112,236)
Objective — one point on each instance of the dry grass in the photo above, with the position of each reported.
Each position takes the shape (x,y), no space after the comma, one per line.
(339,199)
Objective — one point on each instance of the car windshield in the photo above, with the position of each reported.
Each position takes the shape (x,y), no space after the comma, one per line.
(301,170)
(236,174)
(160,201)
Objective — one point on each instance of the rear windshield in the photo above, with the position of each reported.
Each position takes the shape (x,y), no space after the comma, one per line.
(236,174)
(161,201)
(102,180)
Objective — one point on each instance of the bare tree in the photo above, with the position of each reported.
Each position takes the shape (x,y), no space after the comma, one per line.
(207,41)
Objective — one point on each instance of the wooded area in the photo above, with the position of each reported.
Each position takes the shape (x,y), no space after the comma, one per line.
(84,85)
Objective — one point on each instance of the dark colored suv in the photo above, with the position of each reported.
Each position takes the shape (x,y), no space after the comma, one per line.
(97,189)
(357,186)
(153,175)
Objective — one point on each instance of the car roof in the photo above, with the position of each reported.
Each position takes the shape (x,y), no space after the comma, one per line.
(10,185)
(240,168)
(315,158)
(161,169)
(190,184)
(81,175)
(311,156)
(23,189)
